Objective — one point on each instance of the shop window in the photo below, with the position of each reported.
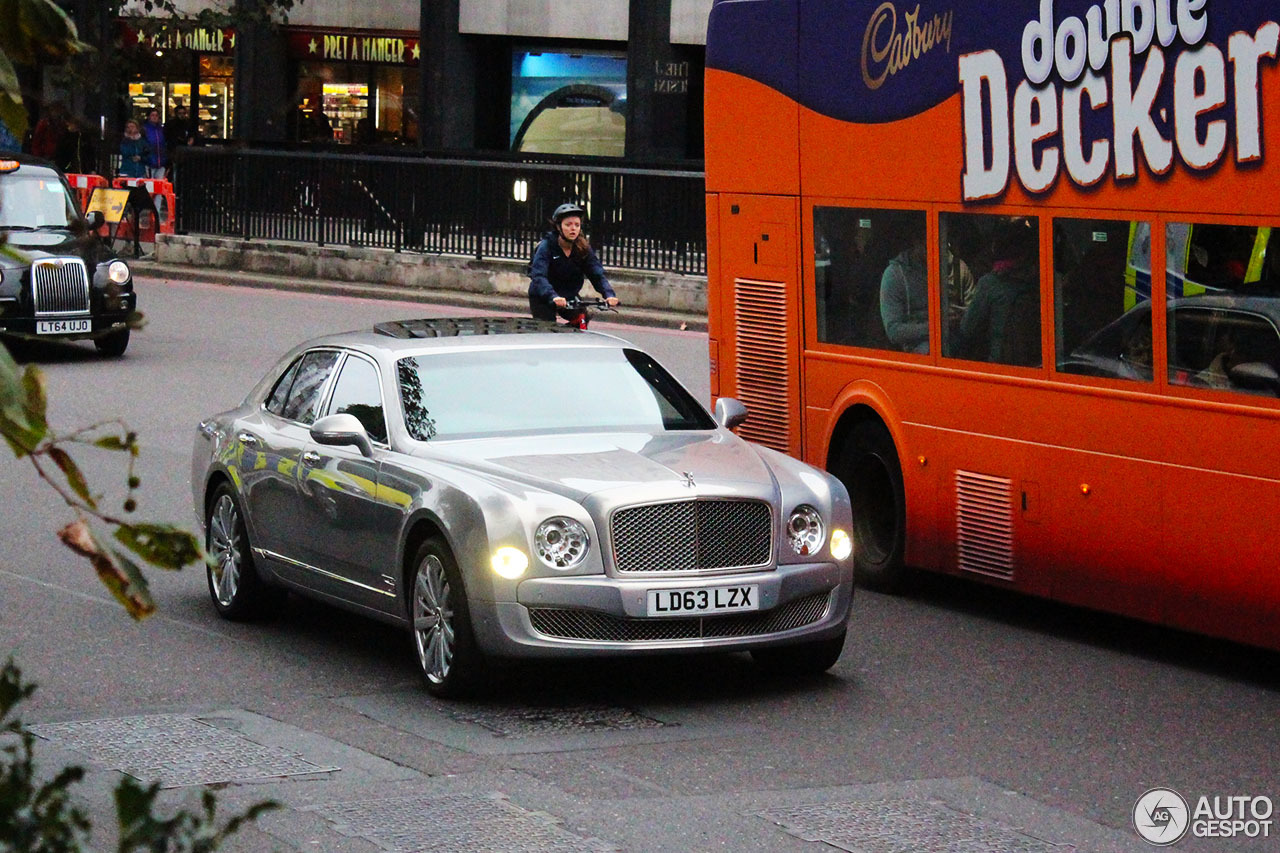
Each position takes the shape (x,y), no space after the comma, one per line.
(991,285)
(569,103)
(1223,288)
(871,280)
(1101,285)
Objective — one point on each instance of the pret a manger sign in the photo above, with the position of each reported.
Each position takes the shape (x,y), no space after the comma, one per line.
(1128,82)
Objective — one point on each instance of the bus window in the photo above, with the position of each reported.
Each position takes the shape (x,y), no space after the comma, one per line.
(871,278)
(997,319)
(1224,309)
(1092,267)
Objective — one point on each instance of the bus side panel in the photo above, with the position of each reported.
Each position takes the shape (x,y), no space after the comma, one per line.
(752,137)
(715,320)
(758,315)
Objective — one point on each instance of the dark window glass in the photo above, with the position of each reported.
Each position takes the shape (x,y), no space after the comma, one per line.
(871,277)
(304,395)
(275,402)
(1223,286)
(1101,275)
(998,319)
(358,393)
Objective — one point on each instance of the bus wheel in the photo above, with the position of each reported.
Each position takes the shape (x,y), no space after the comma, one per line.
(871,473)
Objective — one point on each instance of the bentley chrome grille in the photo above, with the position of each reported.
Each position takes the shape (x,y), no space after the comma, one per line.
(692,536)
(603,627)
(60,286)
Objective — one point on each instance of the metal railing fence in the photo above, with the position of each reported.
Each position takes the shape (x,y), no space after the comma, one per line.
(638,218)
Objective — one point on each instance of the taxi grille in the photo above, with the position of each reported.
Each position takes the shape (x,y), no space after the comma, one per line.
(691,536)
(60,286)
(593,625)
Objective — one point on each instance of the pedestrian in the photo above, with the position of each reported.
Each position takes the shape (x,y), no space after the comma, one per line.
(158,159)
(134,151)
(48,132)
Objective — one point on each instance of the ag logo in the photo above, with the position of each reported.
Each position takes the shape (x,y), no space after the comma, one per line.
(1161,817)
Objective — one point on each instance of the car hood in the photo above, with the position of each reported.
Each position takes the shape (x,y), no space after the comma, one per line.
(651,466)
(50,243)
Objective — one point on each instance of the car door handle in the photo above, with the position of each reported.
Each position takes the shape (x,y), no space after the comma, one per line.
(311,457)
(248,438)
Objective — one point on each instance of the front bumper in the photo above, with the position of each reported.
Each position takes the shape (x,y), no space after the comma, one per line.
(600,616)
(102,323)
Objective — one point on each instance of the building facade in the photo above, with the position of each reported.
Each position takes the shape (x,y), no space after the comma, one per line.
(608,78)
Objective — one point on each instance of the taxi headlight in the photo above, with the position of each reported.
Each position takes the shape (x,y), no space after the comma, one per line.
(509,562)
(561,543)
(804,530)
(841,544)
(118,272)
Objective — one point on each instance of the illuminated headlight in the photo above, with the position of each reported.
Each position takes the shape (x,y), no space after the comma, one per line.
(561,542)
(118,272)
(804,530)
(841,544)
(509,562)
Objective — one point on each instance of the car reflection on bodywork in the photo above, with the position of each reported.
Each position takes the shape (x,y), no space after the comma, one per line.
(505,489)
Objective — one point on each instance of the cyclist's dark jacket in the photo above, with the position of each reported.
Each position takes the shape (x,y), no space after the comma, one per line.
(553,273)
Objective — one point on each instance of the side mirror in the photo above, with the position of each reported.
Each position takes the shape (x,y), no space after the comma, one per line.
(730,412)
(95,220)
(1255,376)
(340,430)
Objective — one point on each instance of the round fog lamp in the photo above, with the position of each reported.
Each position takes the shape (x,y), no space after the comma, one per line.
(509,562)
(118,272)
(804,530)
(561,543)
(841,544)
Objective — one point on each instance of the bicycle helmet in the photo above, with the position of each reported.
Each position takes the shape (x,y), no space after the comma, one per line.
(566,209)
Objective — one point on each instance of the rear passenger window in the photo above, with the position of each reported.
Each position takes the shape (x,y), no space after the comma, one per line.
(279,394)
(304,395)
(991,285)
(1102,292)
(870,273)
(358,393)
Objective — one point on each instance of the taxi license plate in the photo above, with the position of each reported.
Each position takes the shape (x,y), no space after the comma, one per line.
(704,601)
(62,327)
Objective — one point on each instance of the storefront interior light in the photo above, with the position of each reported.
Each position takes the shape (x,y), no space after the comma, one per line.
(520,190)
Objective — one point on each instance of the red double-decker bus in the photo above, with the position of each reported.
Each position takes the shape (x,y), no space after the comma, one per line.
(1012,271)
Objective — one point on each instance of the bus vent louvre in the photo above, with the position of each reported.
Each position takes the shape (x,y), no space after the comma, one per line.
(984,524)
(764,369)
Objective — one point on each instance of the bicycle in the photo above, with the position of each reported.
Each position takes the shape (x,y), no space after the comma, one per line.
(577,312)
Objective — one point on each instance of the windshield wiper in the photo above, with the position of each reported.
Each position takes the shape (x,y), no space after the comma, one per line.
(19,228)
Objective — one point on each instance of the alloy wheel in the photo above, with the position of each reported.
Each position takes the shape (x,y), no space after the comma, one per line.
(433,619)
(225,548)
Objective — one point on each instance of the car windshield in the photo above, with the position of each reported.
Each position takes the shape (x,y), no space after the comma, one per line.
(527,390)
(34,198)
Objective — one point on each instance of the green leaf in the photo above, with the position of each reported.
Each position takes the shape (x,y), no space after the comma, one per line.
(19,390)
(161,545)
(35,402)
(111,442)
(75,479)
(120,575)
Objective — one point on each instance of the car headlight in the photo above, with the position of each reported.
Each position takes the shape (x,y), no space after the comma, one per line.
(805,531)
(841,544)
(561,543)
(509,562)
(118,271)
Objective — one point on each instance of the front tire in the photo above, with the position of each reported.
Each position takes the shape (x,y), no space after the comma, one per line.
(238,592)
(448,657)
(873,476)
(803,659)
(114,344)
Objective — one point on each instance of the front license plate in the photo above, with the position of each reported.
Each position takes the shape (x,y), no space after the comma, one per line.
(704,600)
(63,327)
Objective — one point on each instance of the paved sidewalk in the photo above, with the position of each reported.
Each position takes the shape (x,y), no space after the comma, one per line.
(150,269)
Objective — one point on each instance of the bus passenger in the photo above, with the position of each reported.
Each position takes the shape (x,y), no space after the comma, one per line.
(1002,323)
(904,297)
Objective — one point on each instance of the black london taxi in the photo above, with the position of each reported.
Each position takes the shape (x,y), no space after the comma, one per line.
(57,278)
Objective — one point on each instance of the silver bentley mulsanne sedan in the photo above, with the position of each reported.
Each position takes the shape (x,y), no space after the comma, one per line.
(506,488)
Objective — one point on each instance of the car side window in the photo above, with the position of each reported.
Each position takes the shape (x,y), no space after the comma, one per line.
(358,392)
(304,396)
(279,394)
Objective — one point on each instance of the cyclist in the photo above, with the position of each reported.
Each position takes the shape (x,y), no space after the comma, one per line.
(560,263)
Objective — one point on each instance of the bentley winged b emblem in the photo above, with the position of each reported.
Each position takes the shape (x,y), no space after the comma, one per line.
(688,479)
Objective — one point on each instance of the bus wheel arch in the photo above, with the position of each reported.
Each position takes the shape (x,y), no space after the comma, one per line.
(863,454)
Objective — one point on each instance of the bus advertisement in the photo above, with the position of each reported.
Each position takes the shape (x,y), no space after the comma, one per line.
(1012,271)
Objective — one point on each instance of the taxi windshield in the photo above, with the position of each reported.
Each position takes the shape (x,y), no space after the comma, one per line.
(34,198)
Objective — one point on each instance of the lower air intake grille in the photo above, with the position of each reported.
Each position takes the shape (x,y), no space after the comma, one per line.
(593,625)
(60,286)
